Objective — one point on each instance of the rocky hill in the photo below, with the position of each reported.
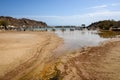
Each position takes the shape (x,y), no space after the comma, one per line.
(23,21)
(105,24)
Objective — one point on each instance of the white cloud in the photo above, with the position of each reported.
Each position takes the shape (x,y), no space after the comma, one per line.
(104,6)
(93,14)
(98,7)
(79,19)
(115,4)
(105,13)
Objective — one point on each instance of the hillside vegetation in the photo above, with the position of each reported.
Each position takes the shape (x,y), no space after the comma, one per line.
(20,22)
(105,25)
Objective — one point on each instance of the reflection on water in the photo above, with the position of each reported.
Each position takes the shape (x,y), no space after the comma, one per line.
(77,39)
(109,34)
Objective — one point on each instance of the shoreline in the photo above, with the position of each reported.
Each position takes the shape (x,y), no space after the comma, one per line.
(88,63)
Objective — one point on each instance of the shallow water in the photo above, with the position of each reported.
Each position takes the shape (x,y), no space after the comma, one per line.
(77,39)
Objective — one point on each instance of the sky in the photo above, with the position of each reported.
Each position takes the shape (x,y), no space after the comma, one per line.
(62,12)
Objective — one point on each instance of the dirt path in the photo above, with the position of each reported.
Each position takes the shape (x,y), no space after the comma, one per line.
(20,52)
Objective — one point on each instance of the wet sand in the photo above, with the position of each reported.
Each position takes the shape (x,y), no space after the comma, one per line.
(20,52)
(92,63)
(89,63)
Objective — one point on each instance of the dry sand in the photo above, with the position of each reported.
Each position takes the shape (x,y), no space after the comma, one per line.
(20,52)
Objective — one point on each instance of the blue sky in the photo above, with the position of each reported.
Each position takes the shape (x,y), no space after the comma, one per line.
(62,12)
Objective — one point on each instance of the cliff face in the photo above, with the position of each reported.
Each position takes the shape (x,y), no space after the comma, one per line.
(23,21)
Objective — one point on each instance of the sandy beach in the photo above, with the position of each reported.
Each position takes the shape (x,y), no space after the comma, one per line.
(19,51)
(28,56)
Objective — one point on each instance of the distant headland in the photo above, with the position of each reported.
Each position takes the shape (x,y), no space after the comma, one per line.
(14,22)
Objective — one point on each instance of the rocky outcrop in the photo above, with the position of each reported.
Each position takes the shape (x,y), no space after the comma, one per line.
(22,22)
